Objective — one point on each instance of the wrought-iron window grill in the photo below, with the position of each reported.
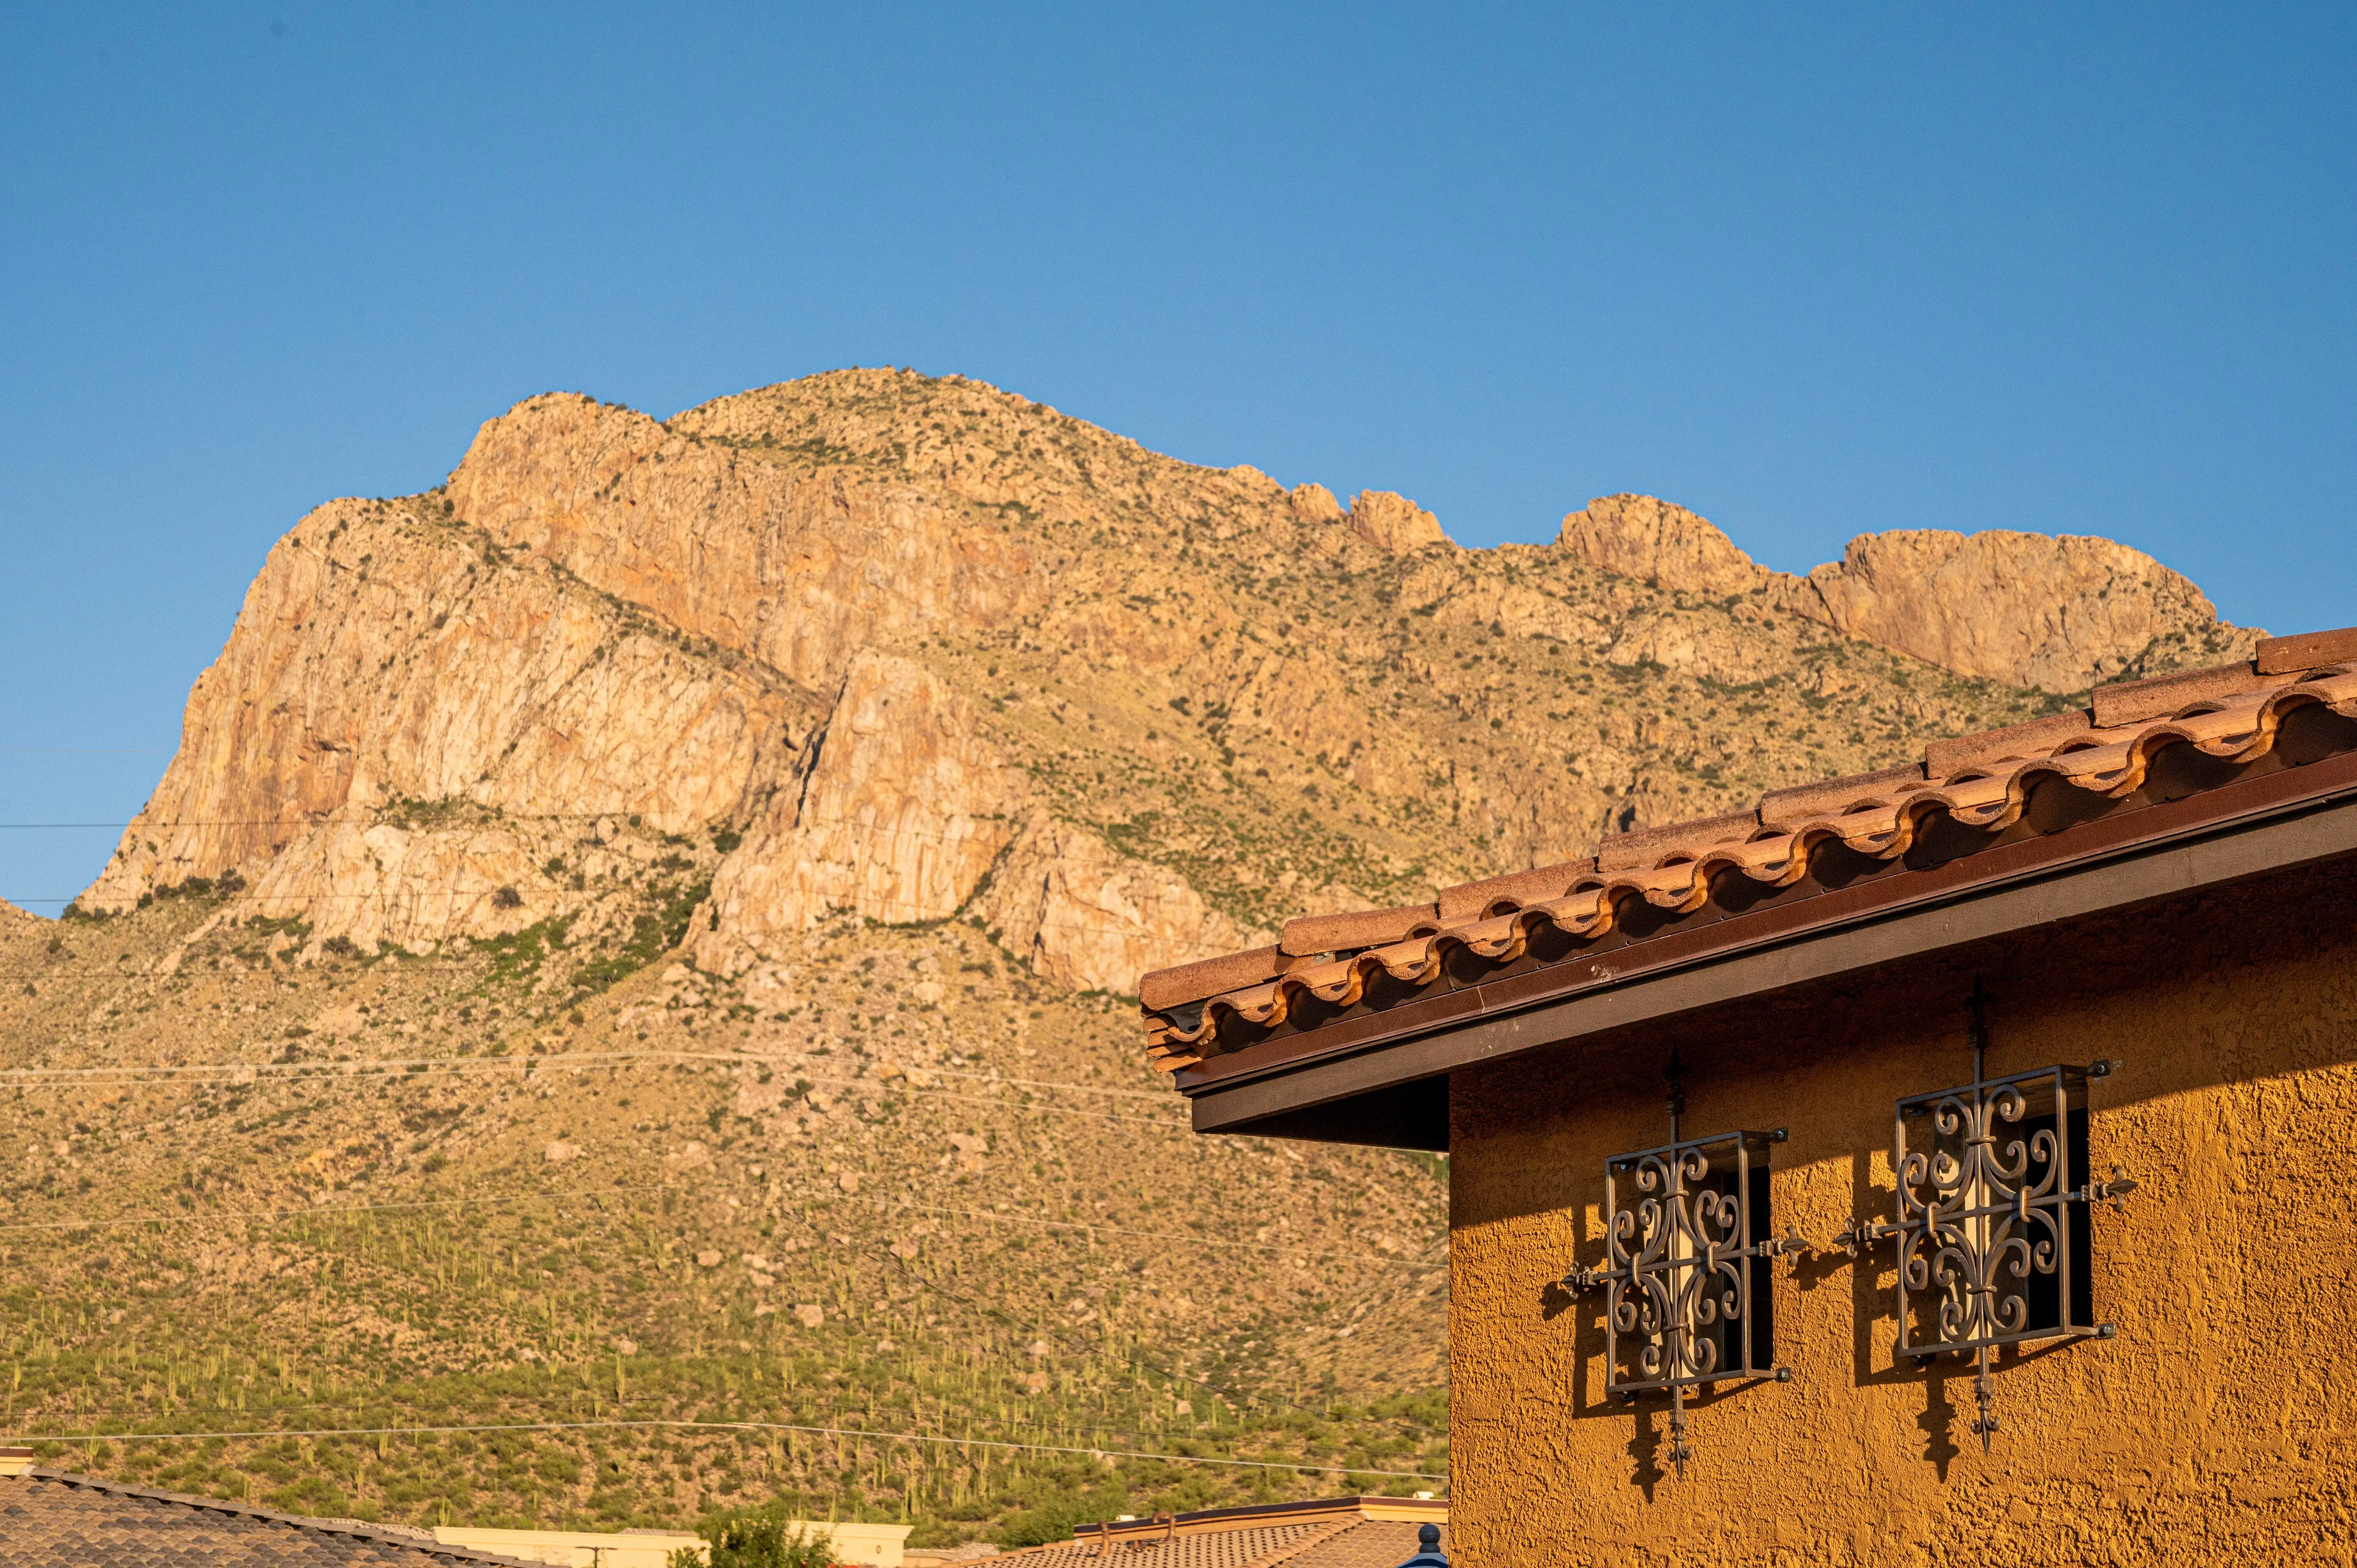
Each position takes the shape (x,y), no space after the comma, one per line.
(1992,1226)
(1688,1298)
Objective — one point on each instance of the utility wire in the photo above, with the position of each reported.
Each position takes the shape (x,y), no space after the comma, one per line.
(234,1077)
(353,1065)
(735,1426)
(191,1217)
(1276,1247)
(194,1216)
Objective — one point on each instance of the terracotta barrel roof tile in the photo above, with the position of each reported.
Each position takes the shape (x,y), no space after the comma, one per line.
(1945,758)
(1194,982)
(2308,650)
(1474,900)
(1648,847)
(1785,810)
(1359,928)
(2134,702)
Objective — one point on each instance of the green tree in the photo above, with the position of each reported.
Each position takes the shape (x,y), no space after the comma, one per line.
(758,1540)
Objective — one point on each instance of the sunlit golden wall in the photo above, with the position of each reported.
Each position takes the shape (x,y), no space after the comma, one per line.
(2217,1428)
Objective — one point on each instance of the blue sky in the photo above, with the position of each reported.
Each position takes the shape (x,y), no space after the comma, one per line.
(1812,271)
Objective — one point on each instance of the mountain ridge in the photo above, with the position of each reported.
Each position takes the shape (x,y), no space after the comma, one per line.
(636,929)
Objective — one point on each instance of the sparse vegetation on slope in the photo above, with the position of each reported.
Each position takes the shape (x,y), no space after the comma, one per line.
(435,1126)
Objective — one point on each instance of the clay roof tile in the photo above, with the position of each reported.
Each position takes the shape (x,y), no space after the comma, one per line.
(1359,928)
(1186,982)
(1476,900)
(2038,737)
(1786,808)
(2134,701)
(2308,650)
(1648,847)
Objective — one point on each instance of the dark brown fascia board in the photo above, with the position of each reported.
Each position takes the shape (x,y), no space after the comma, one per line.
(2251,827)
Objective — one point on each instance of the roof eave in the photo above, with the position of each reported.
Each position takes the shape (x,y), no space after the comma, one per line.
(1382,1080)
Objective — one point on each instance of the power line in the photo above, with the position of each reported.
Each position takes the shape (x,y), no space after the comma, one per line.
(330,1210)
(570,1060)
(233,1075)
(733,1426)
(194,1217)
(1276,1247)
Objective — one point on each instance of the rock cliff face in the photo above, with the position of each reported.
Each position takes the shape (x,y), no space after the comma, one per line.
(915,650)
(1637,536)
(2058,614)
(2062,614)
(1393,522)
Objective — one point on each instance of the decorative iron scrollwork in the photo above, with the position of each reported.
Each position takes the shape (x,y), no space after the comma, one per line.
(1687,1301)
(1994,1244)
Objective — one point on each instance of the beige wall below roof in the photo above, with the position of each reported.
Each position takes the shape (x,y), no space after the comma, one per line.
(571,1548)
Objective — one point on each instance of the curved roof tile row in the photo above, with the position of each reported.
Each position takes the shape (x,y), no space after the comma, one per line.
(2169,736)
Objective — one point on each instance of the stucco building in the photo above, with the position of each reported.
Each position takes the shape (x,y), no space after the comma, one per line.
(1949,1163)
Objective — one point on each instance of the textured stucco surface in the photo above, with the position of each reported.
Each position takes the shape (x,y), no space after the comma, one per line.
(2216,1428)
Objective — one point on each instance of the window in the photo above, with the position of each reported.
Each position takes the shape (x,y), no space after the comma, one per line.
(1993,1225)
(1995,1246)
(1688,1301)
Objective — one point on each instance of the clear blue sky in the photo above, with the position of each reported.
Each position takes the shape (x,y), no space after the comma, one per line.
(1811,271)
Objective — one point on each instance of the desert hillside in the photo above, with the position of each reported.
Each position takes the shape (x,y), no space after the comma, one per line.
(634,936)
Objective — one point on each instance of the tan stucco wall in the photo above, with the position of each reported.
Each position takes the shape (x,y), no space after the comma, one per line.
(2219,1427)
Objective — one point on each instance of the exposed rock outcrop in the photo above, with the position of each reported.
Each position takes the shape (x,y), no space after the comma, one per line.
(2059,613)
(400,715)
(1088,918)
(908,813)
(1315,503)
(902,813)
(1393,522)
(913,650)
(1653,540)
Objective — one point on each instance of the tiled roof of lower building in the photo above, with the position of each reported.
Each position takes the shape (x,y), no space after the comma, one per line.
(50,1519)
(1256,1548)
(1338,1543)
(2139,743)
(1333,1532)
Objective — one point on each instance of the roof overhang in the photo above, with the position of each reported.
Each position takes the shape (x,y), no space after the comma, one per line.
(1382,1079)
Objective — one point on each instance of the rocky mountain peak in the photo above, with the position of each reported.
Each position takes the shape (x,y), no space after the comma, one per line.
(918,649)
(2059,614)
(1393,522)
(1654,540)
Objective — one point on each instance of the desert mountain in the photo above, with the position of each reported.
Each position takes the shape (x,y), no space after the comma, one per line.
(2058,614)
(628,936)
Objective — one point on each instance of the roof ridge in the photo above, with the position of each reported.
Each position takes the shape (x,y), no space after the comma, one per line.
(359,1529)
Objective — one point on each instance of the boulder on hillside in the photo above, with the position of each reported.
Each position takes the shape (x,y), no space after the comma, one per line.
(1653,540)
(1314,503)
(1394,521)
